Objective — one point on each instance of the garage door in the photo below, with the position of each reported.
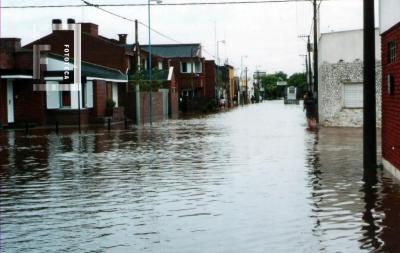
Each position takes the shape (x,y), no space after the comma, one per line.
(353,95)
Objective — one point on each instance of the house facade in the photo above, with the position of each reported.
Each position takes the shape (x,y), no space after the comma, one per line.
(52,99)
(340,83)
(104,92)
(390,36)
(194,75)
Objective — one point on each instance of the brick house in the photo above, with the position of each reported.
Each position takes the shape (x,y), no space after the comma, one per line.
(105,67)
(194,76)
(53,99)
(390,36)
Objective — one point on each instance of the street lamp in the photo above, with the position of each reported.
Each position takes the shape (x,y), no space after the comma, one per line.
(219,41)
(218,69)
(241,75)
(150,53)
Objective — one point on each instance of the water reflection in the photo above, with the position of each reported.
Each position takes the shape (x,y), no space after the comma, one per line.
(249,180)
(350,205)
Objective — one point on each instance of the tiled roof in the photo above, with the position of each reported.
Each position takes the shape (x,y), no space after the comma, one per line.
(175,50)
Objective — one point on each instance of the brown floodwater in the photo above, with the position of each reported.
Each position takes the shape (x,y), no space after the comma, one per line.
(248,180)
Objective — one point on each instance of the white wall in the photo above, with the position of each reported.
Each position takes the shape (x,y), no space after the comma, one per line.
(53,96)
(346,46)
(115,93)
(89,94)
(389,14)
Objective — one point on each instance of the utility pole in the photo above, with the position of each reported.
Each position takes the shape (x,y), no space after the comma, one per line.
(316,55)
(137,70)
(191,67)
(309,68)
(137,47)
(307,71)
(369,144)
(150,74)
(247,92)
(310,84)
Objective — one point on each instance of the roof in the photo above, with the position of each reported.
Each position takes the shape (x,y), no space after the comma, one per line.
(88,69)
(346,31)
(93,70)
(175,50)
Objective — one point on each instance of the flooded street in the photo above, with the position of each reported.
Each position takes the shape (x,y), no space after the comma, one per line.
(248,180)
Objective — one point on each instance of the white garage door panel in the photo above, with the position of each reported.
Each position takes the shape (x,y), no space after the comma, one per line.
(353,95)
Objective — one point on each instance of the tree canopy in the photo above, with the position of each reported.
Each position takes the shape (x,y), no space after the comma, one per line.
(273,91)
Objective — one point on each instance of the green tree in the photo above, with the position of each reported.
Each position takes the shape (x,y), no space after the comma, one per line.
(298,80)
(269,82)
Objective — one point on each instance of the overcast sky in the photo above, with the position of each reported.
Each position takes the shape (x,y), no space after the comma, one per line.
(266,33)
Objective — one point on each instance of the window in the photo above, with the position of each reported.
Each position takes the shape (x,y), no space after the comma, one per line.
(160,65)
(65,98)
(185,67)
(390,83)
(353,95)
(197,67)
(392,51)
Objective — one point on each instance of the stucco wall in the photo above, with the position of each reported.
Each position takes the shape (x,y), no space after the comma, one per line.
(332,78)
(345,45)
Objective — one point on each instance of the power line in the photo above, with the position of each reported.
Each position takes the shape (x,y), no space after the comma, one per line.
(143,24)
(128,19)
(161,4)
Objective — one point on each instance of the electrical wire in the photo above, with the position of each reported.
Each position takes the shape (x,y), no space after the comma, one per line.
(161,4)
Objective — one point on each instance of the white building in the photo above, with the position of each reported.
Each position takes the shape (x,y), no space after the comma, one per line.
(340,83)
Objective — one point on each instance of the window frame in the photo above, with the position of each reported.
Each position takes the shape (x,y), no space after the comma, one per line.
(392,51)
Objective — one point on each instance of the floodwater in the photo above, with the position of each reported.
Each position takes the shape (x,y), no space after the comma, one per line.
(249,180)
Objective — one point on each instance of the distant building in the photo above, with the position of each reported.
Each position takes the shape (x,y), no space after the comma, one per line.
(258,87)
(195,76)
(340,83)
(390,35)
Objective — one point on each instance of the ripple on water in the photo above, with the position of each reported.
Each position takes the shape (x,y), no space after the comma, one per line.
(248,180)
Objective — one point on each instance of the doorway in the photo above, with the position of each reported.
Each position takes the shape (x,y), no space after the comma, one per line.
(10,102)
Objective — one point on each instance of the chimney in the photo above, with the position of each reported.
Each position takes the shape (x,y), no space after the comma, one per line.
(10,44)
(71,23)
(90,28)
(122,38)
(56,24)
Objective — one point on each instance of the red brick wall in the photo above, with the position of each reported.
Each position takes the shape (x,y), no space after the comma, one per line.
(68,117)
(173,104)
(99,98)
(184,81)
(7,60)
(29,105)
(157,107)
(391,103)
(210,80)
(95,49)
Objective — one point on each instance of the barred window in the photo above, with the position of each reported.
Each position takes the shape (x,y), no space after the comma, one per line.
(392,51)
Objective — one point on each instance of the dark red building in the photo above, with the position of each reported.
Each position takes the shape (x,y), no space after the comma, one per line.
(391,95)
(195,76)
